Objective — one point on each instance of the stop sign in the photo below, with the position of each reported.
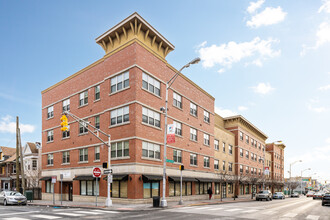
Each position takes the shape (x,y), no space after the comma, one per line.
(96,172)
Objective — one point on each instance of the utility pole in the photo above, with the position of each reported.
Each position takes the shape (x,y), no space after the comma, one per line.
(21,160)
(17,155)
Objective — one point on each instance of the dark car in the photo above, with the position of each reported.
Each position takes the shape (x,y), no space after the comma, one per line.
(326,199)
(264,194)
(12,197)
(278,195)
(295,195)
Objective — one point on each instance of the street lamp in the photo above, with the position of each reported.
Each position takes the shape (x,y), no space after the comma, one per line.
(168,85)
(301,180)
(291,172)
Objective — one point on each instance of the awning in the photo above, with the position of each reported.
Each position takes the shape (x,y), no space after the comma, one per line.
(46,178)
(152,177)
(5,178)
(205,180)
(184,179)
(117,177)
(85,177)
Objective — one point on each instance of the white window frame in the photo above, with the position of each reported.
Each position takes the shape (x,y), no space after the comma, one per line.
(177,100)
(230,167)
(193,134)
(120,149)
(83,98)
(119,82)
(206,139)
(66,105)
(83,125)
(97,92)
(97,155)
(84,154)
(223,165)
(216,144)
(50,135)
(206,162)
(230,149)
(119,116)
(150,84)
(178,128)
(193,109)
(193,159)
(177,156)
(152,150)
(216,164)
(66,157)
(150,117)
(50,112)
(206,116)
(50,159)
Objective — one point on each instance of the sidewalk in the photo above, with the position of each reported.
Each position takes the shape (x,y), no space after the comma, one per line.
(134,207)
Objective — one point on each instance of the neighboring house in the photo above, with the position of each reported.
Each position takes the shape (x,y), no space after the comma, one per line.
(7,168)
(32,167)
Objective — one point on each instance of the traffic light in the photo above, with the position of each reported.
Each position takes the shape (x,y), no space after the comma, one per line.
(64,123)
(105,165)
(181,167)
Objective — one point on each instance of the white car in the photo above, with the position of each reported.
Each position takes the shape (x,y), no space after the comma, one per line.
(12,197)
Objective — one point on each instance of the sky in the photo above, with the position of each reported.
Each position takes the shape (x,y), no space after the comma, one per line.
(267,60)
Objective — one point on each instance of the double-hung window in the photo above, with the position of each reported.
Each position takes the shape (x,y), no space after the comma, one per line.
(97,122)
(193,134)
(120,149)
(66,157)
(247,139)
(66,105)
(207,139)
(252,142)
(83,98)
(230,149)
(241,168)
(252,156)
(151,84)
(241,152)
(216,144)
(223,147)
(50,112)
(34,165)
(119,82)
(247,154)
(193,159)
(83,127)
(50,159)
(150,117)
(177,156)
(246,169)
(50,135)
(97,92)
(206,116)
(120,115)
(259,145)
(97,153)
(230,167)
(206,162)
(216,164)
(224,165)
(150,150)
(177,100)
(193,109)
(241,135)
(178,128)
(66,134)
(83,155)
(252,170)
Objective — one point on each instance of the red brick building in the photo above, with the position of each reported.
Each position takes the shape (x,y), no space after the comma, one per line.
(122,94)
(276,149)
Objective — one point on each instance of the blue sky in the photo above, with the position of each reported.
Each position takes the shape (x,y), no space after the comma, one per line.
(264,59)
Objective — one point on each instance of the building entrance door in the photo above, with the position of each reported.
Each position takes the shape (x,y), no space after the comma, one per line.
(223,190)
(70,192)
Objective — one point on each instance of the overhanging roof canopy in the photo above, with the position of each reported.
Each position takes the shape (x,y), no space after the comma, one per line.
(152,177)
(185,179)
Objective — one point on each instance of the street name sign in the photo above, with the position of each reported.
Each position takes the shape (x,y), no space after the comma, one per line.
(169,161)
(108,171)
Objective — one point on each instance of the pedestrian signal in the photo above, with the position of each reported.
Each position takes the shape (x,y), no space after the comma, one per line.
(64,123)
(181,167)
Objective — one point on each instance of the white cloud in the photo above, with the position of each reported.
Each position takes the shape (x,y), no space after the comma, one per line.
(263,88)
(267,17)
(324,88)
(322,37)
(221,70)
(327,140)
(232,52)
(317,109)
(201,44)
(224,112)
(7,125)
(325,7)
(242,108)
(254,6)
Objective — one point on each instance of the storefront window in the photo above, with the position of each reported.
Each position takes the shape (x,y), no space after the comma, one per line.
(88,187)
(150,189)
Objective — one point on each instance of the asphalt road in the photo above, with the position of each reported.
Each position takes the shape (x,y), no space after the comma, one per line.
(290,208)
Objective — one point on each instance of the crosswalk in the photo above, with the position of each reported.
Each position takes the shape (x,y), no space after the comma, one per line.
(57,214)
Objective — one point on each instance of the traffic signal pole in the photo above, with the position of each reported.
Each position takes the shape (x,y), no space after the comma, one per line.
(85,124)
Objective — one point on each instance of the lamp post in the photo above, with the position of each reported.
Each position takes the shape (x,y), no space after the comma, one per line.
(169,83)
(291,172)
(301,179)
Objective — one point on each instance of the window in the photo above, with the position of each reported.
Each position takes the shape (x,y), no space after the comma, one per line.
(150,117)
(50,112)
(246,169)
(252,156)
(50,136)
(223,147)
(66,105)
(14,168)
(83,127)
(83,155)
(216,164)
(150,150)
(120,115)
(259,159)
(207,139)
(251,170)
(259,146)
(34,164)
(193,134)
(150,84)
(120,149)
(247,139)
(177,100)
(83,98)
(259,172)
(97,92)
(252,142)
(193,159)
(247,154)
(216,145)
(119,82)
(230,167)
(177,157)
(206,116)
(89,187)
(178,128)
(224,165)
(240,135)
(50,159)
(49,187)
(230,149)
(241,168)
(255,144)
(66,157)
(206,162)
(97,153)
(66,134)
(241,152)
(97,122)
(193,109)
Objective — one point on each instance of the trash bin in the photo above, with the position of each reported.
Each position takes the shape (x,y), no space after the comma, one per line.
(155,201)
(29,195)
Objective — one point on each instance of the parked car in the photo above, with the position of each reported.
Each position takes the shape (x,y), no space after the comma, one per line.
(326,199)
(278,195)
(318,195)
(264,194)
(295,195)
(12,197)
(310,194)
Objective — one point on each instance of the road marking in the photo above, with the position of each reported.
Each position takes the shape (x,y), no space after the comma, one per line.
(18,213)
(45,216)
(216,209)
(69,214)
(313,217)
(203,207)
(232,210)
(16,218)
(269,212)
(62,209)
(290,215)
(105,211)
(88,212)
(249,211)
